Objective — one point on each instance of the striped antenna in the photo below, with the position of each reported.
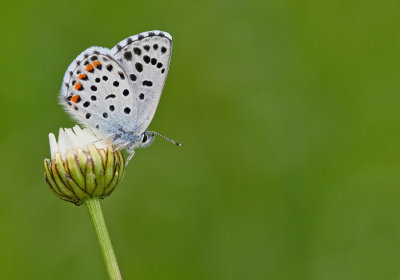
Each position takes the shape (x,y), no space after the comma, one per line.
(164,137)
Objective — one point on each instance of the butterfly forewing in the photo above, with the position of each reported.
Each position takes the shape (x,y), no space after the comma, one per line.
(145,59)
(97,93)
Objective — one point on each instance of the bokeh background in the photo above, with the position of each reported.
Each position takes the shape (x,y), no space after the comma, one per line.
(289,116)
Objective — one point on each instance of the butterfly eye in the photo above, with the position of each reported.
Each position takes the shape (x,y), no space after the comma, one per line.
(144,138)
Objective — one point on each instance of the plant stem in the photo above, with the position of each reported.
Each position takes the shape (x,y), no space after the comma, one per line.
(96,215)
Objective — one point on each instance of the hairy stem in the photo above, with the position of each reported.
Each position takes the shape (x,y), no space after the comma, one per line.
(96,215)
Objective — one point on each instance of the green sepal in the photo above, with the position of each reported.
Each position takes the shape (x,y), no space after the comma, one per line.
(59,174)
(90,178)
(74,168)
(98,170)
(109,167)
(118,170)
(52,184)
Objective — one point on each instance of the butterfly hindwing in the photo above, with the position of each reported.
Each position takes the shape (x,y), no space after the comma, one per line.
(97,93)
(145,59)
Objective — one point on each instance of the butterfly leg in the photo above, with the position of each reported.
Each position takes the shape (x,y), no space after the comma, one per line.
(128,147)
(120,145)
(105,138)
(131,152)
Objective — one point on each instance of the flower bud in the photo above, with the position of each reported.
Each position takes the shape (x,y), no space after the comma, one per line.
(82,165)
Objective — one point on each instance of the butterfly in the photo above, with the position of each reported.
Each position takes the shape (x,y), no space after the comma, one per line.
(116,91)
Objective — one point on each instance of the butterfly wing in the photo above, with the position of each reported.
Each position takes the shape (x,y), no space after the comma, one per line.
(96,92)
(145,58)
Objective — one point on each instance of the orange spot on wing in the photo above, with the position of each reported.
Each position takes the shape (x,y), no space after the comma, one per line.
(82,76)
(75,98)
(89,67)
(96,63)
(78,86)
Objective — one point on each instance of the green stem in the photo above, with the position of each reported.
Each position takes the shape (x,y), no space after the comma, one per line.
(96,215)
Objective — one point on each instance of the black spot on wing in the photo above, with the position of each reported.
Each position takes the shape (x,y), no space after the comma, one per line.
(137,51)
(139,67)
(132,77)
(147,83)
(110,96)
(128,55)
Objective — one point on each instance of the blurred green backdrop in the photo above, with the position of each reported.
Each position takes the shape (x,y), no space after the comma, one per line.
(288,112)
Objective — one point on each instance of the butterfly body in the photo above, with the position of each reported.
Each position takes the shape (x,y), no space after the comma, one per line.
(116,91)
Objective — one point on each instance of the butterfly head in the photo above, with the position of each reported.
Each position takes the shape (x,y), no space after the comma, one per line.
(146,140)
(131,141)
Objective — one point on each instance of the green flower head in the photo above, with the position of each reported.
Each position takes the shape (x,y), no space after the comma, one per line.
(82,165)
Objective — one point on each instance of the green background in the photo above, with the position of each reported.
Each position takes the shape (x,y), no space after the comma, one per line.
(289,116)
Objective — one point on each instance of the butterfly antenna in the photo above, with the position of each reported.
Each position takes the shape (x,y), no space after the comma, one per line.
(165,138)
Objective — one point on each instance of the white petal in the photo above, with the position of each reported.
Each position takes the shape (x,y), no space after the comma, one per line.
(73,139)
(63,143)
(80,133)
(53,145)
